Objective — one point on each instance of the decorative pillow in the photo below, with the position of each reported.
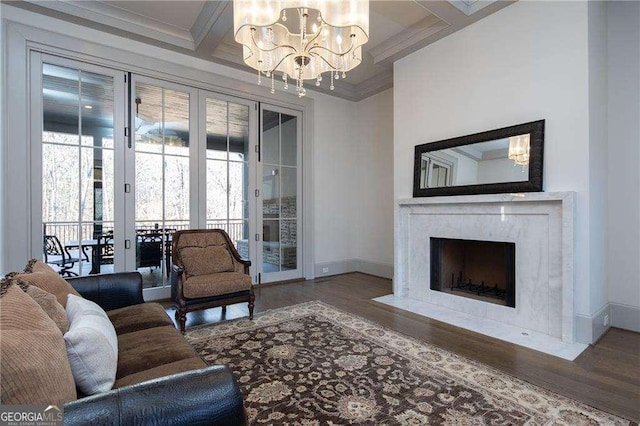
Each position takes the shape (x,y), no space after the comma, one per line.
(206,260)
(49,305)
(43,276)
(35,368)
(92,346)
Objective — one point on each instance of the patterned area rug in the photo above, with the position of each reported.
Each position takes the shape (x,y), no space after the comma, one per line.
(312,364)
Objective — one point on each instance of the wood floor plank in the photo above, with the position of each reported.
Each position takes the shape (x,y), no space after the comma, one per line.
(605,376)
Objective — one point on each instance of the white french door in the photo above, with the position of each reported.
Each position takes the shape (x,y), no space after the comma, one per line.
(77,145)
(119,166)
(228,127)
(279,215)
(191,163)
(161,175)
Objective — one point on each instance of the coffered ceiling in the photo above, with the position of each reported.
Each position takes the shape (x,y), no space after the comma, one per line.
(205,29)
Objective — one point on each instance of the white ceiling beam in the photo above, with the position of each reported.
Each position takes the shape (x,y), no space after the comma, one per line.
(376,84)
(389,50)
(121,19)
(469,7)
(212,25)
(447,19)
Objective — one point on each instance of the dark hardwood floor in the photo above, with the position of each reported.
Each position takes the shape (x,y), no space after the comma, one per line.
(605,376)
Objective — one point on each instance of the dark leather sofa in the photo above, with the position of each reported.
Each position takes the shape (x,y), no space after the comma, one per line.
(193,394)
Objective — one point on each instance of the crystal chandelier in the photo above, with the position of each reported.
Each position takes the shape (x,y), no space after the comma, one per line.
(519,150)
(301,39)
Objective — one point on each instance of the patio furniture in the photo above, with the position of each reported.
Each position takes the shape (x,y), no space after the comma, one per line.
(55,254)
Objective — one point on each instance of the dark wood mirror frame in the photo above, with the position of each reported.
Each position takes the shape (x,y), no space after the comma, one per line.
(533,184)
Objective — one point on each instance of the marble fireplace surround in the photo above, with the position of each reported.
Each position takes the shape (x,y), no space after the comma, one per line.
(541,225)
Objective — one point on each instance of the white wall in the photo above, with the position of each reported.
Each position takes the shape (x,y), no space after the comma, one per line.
(500,170)
(353,153)
(465,170)
(597,68)
(623,272)
(529,61)
(372,202)
(335,175)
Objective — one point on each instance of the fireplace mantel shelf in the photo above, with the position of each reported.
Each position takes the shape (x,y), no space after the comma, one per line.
(489,198)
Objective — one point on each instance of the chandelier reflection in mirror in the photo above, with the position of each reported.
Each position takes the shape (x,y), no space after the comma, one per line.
(301,39)
(519,150)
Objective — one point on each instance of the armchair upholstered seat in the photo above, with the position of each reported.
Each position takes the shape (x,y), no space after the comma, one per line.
(207,272)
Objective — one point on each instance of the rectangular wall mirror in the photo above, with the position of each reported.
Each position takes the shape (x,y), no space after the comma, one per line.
(498,161)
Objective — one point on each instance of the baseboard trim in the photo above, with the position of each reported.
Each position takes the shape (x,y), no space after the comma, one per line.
(625,316)
(326,269)
(156,293)
(589,329)
(353,265)
(374,268)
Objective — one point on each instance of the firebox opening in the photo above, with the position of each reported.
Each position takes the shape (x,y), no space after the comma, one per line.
(482,270)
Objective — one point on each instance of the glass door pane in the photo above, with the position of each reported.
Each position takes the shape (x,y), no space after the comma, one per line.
(77,170)
(162,177)
(281,189)
(227,170)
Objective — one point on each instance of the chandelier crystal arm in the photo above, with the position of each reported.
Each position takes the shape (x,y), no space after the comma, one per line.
(282,60)
(325,60)
(276,46)
(345,53)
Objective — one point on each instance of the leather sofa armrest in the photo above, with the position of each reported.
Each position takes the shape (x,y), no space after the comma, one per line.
(206,396)
(110,291)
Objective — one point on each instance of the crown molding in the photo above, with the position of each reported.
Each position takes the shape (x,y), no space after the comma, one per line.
(121,19)
(212,25)
(393,48)
(374,85)
(469,7)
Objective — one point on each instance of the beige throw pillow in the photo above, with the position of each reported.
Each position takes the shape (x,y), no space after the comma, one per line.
(92,346)
(34,365)
(206,260)
(43,276)
(50,306)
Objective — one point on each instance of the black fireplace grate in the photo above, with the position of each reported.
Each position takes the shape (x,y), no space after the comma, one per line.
(481,289)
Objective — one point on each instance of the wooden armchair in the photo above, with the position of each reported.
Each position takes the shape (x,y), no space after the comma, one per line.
(207,272)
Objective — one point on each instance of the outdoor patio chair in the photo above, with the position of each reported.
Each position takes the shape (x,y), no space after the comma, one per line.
(56,254)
